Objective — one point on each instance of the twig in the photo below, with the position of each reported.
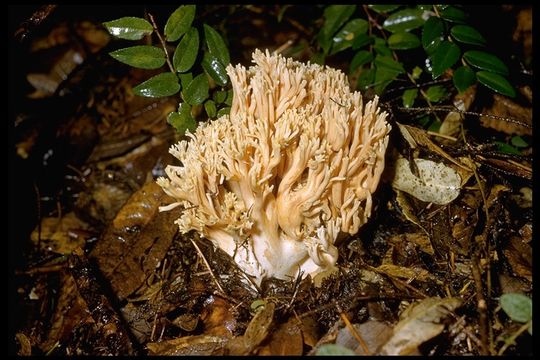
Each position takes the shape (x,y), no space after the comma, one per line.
(283,47)
(481,306)
(353,331)
(514,336)
(163,45)
(448,137)
(207,265)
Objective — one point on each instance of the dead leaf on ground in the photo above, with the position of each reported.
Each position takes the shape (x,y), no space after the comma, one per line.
(61,236)
(402,272)
(218,318)
(188,345)
(419,323)
(373,332)
(452,122)
(503,106)
(255,333)
(285,340)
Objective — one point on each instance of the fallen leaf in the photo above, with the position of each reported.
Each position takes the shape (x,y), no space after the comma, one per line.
(506,108)
(285,340)
(436,183)
(373,332)
(61,236)
(419,323)
(188,345)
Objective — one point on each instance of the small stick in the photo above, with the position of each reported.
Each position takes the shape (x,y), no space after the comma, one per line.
(353,331)
(163,45)
(207,265)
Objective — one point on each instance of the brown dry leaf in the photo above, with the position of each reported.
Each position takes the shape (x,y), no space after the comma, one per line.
(420,239)
(285,340)
(503,106)
(188,345)
(451,123)
(418,137)
(60,236)
(217,317)
(508,167)
(255,333)
(519,255)
(412,273)
(25,347)
(373,332)
(310,331)
(523,31)
(419,323)
(408,210)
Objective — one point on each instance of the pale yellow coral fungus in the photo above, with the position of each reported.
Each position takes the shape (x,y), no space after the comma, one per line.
(274,183)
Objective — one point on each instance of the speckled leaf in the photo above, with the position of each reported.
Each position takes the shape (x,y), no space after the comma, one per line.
(403,41)
(432,34)
(463,78)
(485,61)
(444,57)
(186,51)
(467,35)
(129,28)
(216,45)
(437,183)
(179,22)
(142,56)
(404,20)
(197,90)
(165,84)
(496,83)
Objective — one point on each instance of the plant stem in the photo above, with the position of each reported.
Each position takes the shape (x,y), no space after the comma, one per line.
(163,45)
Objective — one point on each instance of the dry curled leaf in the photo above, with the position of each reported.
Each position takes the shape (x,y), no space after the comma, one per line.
(419,323)
(188,345)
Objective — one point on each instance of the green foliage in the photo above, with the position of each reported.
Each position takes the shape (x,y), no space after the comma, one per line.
(408,97)
(517,306)
(179,22)
(142,56)
(377,58)
(129,28)
(213,56)
(333,350)
(164,84)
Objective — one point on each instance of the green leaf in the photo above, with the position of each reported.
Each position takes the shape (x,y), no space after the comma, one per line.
(216,45)
(210,108)
(219,96)
(388,64)
(365,80)
(333,350)
(463,78)
(215,69)
(432,34)
(129,28)
(361,41)
(334,17)
(197,90)
(317,58)
(485,61)
(453,14)
(346,36)
(518,142)
(467,35)
(506,148)
(380,47)
(179,22)
(223,111)
(403,41)
(182,120)
(186,51)
(229,99)
(496,83)
(416,72)
(408,97)
(404,20)
(142,56)
(362,57)
(436,93)
(185,79)
(383,77)
(282,12)
(517,306)
(164,84)
(444,57)
(384,8)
